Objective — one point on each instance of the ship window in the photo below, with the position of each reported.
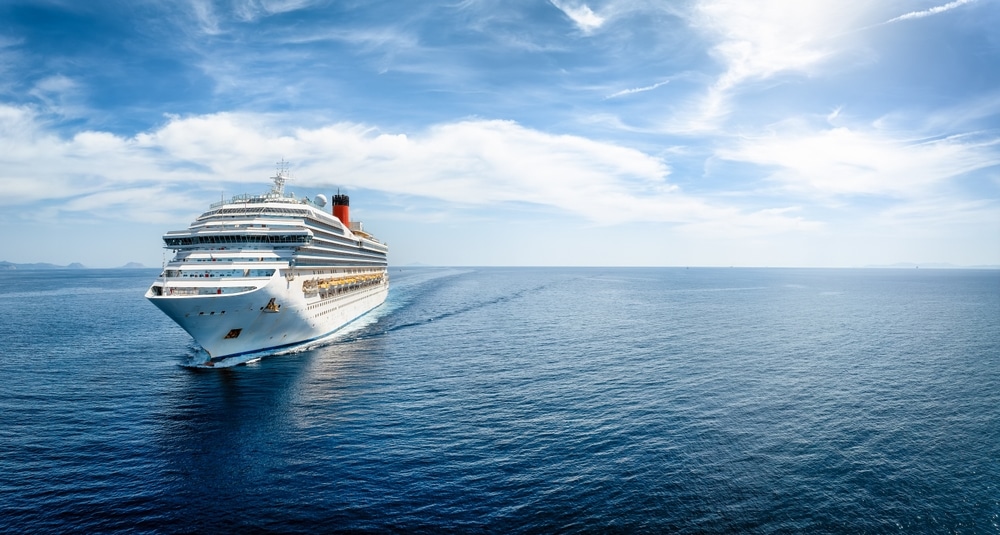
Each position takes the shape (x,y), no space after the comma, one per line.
(234,333)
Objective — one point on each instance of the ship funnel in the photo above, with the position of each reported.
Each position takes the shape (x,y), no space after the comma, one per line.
(341,209)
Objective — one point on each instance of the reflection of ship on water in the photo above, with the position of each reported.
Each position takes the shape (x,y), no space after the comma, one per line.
(228,432)
(263,272)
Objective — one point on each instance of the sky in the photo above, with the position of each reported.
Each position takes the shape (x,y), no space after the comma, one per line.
(837,133)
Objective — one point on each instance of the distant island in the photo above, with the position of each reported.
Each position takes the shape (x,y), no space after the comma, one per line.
(929,265)
(10,266)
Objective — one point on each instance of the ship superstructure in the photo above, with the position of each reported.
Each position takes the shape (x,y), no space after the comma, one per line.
(264,272)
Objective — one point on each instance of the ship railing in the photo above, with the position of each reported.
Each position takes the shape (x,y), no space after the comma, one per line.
(189,291)
(247,198)
(245,273)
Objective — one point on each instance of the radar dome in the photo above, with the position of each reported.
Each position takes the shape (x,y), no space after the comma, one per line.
(320,200)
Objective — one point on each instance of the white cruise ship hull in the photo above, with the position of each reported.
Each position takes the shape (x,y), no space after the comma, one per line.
(274,316)
(259,273)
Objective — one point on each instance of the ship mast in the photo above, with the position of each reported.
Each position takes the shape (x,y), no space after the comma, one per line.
(279,178)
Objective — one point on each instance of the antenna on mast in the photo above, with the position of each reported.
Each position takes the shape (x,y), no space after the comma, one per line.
(280,177)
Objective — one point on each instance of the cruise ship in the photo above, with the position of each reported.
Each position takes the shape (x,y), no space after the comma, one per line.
(260,273)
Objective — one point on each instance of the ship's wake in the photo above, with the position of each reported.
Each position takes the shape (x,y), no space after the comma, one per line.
(391,316)
(379,330)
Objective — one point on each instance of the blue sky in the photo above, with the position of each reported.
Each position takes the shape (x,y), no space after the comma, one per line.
(513,132)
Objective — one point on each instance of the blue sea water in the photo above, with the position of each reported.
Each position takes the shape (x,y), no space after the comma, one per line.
(522,400)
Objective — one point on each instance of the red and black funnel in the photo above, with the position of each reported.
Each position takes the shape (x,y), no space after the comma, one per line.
(341,209)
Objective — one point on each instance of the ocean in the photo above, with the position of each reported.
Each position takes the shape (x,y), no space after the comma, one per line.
(517,400)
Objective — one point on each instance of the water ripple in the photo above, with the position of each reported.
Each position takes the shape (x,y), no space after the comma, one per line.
(520,400)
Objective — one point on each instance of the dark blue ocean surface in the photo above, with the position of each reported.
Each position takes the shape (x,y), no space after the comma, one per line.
(517,401)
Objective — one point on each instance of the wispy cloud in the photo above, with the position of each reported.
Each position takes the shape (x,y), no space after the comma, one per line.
(842,161)
(928,12)
(779,116)
(249,10)
(468,163)
(366,38)
(759,40)
(59,93)
(580,14)
(636,90)
(203,12)
(212,21)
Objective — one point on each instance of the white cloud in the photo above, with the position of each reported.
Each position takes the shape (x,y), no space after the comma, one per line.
(250,10)
(833,115)
(154,203)
(842,161)
(768,221)
(637,90)
(928,12)
(580,14)
(386,39)
(759,40)
(471,163)
(937,212)
(204,14)
(208,18)
(59,94)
